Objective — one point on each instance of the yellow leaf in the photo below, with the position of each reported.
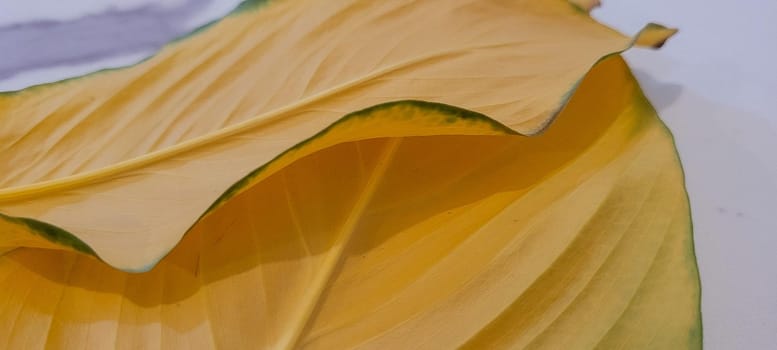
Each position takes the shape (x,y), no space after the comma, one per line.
(127,160)
(405,224)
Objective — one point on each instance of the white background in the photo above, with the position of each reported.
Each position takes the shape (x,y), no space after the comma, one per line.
(713,84)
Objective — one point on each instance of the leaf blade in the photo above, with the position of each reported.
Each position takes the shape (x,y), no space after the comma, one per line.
(459,241)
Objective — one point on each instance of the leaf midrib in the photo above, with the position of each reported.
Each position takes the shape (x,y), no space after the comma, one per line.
(25,191)
(333,260)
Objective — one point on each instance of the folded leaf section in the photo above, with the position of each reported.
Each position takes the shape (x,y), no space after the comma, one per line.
(575,238)
(135,211)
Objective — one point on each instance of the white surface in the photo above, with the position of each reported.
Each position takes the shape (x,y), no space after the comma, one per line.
(712,84)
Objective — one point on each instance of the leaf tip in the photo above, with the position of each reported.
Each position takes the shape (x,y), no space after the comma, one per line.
(586,5)
(654,35)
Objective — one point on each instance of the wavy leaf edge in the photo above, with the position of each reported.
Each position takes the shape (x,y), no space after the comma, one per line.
(652,35)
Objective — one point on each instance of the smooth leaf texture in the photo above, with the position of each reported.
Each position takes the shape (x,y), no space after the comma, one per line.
(128,160)
(576,238)
(374,221)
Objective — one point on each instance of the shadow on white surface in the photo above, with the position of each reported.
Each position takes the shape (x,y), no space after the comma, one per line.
(662,94)
(45,48)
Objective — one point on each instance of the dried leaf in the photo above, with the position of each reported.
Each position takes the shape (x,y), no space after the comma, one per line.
(406,197)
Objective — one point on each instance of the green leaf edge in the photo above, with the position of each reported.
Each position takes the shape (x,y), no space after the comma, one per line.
(51,233)
(454,115)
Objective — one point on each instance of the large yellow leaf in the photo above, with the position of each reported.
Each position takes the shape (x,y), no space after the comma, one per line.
(128,160)
(405,224)
(576,238)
